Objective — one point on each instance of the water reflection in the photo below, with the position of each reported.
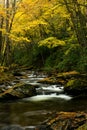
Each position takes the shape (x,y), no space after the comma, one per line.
(32,113)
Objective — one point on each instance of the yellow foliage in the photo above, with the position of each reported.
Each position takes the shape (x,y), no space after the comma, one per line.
(19,39)
(51,42)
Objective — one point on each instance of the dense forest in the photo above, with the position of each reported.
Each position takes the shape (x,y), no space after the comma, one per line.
(49,34)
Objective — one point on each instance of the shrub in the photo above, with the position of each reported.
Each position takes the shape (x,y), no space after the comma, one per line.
(82,64)
(70,59)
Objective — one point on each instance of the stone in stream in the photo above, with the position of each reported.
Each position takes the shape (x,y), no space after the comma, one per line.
(38,127)
(43,127)
(29,127)
(18,91)
(12,127)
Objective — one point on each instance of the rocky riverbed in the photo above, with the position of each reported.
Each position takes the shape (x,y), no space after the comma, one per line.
(25,84)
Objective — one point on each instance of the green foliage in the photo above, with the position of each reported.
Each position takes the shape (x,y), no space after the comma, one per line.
(30,55)
(82,63)
(42,35)
(19,55)
(71,83)
(83,127)
(70,58)
(39,53)
(54,58)
(51,42)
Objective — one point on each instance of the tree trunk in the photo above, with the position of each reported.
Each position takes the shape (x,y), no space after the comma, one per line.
(5,45)
(7,49)
(78,20)
(1,35)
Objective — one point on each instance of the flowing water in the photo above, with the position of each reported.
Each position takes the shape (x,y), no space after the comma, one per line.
(32,111)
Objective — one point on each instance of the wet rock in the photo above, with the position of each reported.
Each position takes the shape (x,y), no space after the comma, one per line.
(16,73)
(67,120)
(43,127)
(76,86)
(20,90)
(52,80)
(12,127)
(30,128)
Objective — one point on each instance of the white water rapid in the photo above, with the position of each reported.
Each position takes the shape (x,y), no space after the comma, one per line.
(45,91)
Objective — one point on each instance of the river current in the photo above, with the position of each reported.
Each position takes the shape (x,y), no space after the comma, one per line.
(32,111)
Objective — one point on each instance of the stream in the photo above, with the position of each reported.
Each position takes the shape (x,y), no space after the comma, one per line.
(32,111)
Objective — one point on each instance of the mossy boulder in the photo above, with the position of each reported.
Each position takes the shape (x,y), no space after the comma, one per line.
(12,127)
(76,86)
(83,127)
(18,91)
(74,82)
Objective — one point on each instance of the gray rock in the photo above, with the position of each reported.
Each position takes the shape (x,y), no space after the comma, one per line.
(30,128)
(12,127)
(43,127)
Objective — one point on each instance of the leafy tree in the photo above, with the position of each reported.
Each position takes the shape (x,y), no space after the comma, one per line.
(8,7)
(77,11)
(43,31)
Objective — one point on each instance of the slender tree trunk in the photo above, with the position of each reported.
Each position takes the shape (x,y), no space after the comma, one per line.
(1,26)
(5,45)
(1,35)
(7,58)
(0,42)
(78,20)
(7,49)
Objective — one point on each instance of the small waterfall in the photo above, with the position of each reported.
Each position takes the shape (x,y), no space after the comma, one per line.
(53,88)
(45,91)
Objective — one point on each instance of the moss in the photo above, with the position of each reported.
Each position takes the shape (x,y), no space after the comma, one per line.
(76,83)
(70,83)
(83,127)
(3,69)
(68,74)
(19,90)
(76,86)
(5,77)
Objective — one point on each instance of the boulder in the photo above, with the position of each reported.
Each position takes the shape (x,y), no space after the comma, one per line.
(20,90)
(12,127)
(43,127)
(67,120)
(76,86)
